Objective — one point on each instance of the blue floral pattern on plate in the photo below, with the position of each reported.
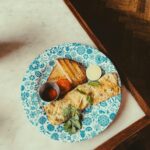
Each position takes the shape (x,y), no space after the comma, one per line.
(96,118)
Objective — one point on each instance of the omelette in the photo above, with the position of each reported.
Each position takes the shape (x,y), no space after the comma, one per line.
(106,87)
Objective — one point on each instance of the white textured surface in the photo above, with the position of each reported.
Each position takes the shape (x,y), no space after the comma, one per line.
(27,27)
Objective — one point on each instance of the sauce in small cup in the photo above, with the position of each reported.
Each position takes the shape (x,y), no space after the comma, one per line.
(49,91)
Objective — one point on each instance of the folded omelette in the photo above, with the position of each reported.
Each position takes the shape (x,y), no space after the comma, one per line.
(108,87)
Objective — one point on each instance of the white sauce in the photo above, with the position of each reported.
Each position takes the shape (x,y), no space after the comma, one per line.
(93,72)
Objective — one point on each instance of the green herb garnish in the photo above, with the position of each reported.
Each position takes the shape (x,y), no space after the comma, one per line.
(73,124)
(67,125)
(67,111)
(89,99)
(94,83)
(80,91)
(76,123)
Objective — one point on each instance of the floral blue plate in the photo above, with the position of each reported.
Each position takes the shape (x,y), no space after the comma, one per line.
(96,118)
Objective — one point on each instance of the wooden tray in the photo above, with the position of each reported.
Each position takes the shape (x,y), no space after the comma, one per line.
(138,125)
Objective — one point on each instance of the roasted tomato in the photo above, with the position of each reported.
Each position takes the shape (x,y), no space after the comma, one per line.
(64,86)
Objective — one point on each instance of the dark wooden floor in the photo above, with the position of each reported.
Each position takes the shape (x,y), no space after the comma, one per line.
(140,141)
(128,41)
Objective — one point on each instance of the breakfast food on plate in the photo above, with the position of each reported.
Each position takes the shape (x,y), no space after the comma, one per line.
(68,74)
(93,72)
(82,96)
